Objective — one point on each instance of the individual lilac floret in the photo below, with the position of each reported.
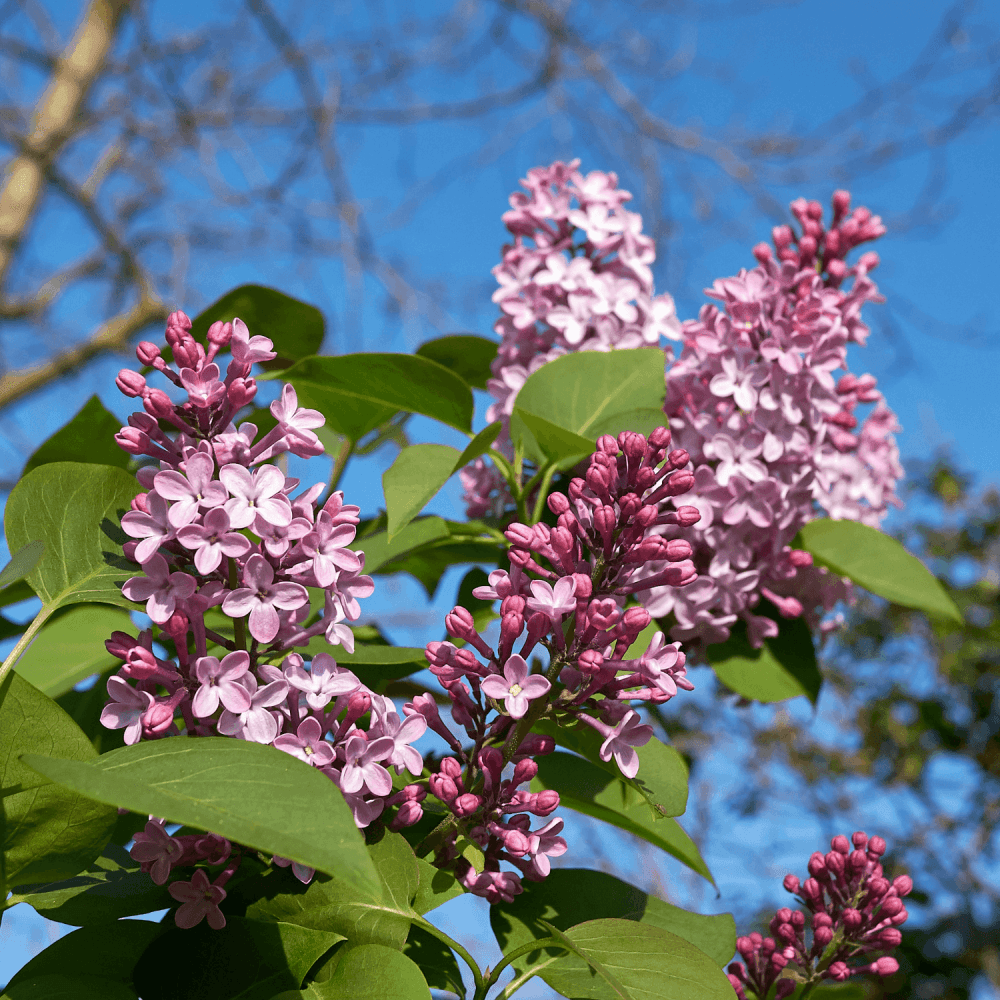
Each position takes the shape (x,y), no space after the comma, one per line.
(211,540)
(159,588)
(307,744)
(157,851)
(853,915)
(620,740)
(255,722)
(199,901)
(517,687)
(126,709)
(220,683)
(261,597)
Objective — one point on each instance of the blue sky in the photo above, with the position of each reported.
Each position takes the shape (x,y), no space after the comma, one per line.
(796,65)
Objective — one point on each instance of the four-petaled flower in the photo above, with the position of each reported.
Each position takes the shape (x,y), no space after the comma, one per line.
(191,492)
(307,744)
(517,687)
(553,601)
(361,768)
(253,494)
(211,540)
(260,597)
(621,740)
(126,709)
(156,850)
(323,681)
(219,683)
(256,723)
(159,588)
(199,900)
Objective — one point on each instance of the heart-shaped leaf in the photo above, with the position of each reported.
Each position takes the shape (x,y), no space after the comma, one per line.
(409,483)
(358,392)
(878,563)
(467,355)
(296,328)
(49,832)
(252,794)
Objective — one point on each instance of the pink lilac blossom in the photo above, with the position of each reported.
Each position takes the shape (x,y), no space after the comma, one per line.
(564,596)
(752,396)
(576,278)
(853,912)
(220,533)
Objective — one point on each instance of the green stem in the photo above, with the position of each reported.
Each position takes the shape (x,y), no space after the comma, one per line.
(22,644)
(240,624)
(515,984)
(543,491)
(343,457)
(525,949)
(477,975)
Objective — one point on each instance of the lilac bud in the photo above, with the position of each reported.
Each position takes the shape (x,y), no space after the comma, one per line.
(822,920)
(451,767)
(133,441)
(903,885)
(851,918)
(835,862)
(180,319)
(857,860)
(791,883)
(467,804)
(536,743)
(607,444)
(800,558)
(460,624)
(147,353)
(839,972)
(545,802)
(890,906)
(157,404)
(558,503)
(687,515)
(519,534)
(678,549)
(823,936)
(840,844)
(899,918)
(515,842)
(524,770)
(786,932)
(890,937)
(220,334)
(817,866)
(241,391)
(811,889)
(884,966)
(584,587)
(636,619)
(443,787)
(130,383)
(408,814)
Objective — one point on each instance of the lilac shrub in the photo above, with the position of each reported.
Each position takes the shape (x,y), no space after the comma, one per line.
(853,912)
(752,396)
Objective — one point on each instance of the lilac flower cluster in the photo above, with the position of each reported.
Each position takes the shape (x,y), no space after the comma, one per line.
(853,912)
(576,278)
(565,593)
(773,435)
(238,572)
(752,397)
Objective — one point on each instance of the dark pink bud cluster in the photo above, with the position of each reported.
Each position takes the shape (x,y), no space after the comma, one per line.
(228,549)
(565,594)
(853,914)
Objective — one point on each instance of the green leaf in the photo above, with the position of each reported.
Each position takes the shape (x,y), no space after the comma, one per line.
(642,962)
(436,888)
(545,441)
(571,896)
(468,356)
(374,665)
(413,479)
(663,776)
(113,886)
(784,667)
(60,987)
(435,960)
(878,563)
(247,959)
(24,560)
(358,392)
(427,562)
(583,392)
(75,510)
(71,647)
(644,420)
(88,437)
(379,550)
(296,328)
(49,833)
(368,972)
(480,444)
(107,951)
(328,904)
(591,790)
(252,794)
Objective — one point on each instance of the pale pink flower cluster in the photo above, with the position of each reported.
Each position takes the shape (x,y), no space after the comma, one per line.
(225,543)
(754,397)
(772,431)
(576,278)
